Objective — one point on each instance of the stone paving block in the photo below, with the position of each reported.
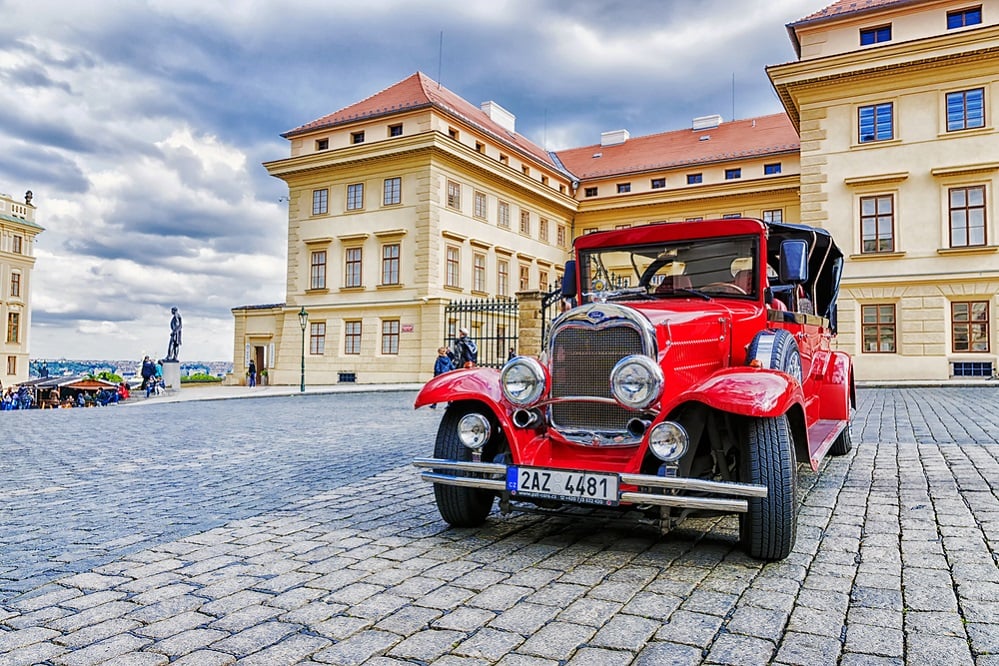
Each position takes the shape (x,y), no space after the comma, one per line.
(526,660)
(37,617)
(937,650)
(30,655)
(291,650)
(737,650)
(102,651)
(592,612)
(341,627)
(867,639)
(233,602)
(174,625)
(245,618)
(463,619)
(11,640)
(96,632)
(137,659)
(524,618)
(187,642)
(625,632)
(690,628)
(557,640)
(489,644)
(674,654)
(91,616)
(56,596)
(601,657)
(358,648)
(763,622)
(255,639)
(808,650)
(295,597)
(426,645)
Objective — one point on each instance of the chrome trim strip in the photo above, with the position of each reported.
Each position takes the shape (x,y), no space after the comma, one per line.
(465,481)
(687,502)
(700,485)
(461,465)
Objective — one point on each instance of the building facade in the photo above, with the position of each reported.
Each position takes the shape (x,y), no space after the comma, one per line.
(17,237)
(414,197)
(900,159)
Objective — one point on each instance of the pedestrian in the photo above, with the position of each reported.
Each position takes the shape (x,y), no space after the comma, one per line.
(442,364)
(251,372)
(512,354)
(466,354)
(148,371)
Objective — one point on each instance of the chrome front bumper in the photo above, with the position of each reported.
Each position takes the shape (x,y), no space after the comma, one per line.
(728,499)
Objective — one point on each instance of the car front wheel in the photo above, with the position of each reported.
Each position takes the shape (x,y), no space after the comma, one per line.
(458,506)
(767,530)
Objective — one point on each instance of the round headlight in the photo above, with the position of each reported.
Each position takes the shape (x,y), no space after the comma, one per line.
(668,441)
(523,380)
(474,430)
(636,381)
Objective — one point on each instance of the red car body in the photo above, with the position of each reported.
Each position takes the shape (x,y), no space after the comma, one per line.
(691,374)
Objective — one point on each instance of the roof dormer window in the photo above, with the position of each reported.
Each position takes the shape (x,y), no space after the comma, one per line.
(357,137)
(881,33)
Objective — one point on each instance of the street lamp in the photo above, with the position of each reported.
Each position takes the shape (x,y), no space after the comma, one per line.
(303,320)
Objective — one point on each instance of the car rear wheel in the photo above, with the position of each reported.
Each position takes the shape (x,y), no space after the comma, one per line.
(843,443)
(767,530)
(459,507)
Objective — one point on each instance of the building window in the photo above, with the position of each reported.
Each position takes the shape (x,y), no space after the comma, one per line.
(525,277)
(479,205)
(11,365)
(561,234)
(878,328)
(964,17)
(543,280)
(351,337)
(504,159)
(590,192)
(393,191)
(693,219)
(868,36)
(658,183)
(452,271)
(543,232)
(395,130)
(317,338)
(525,222)
(352,266)
(480,147)
(17,246)
(623,188)
(694,178)
(355,196)
(15,284)
(453,133)
(357,137)
(527,170)
(732,174)
(970,326)
(317,270)
(965,109)
(453,195)
(322,144)
(544,180)
(13,327)
(877,224)
(776,215)
(503,214)
(503,277)
(390,336)
(771,169)
(731,216)
(875,122)
(390,263)
(622,226)
(320,202)
(479,272)
(967,216)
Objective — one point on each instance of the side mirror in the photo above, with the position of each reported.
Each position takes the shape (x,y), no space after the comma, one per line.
(569,279)
(793,261)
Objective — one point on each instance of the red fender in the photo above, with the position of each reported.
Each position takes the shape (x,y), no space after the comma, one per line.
(470,384)
(748,392)
(836,390)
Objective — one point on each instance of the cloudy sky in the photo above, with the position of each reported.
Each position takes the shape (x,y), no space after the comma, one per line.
(140,126)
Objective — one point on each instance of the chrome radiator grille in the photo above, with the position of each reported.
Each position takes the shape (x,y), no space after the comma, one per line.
(581,362)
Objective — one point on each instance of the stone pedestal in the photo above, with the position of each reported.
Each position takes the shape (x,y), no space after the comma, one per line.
(171,375)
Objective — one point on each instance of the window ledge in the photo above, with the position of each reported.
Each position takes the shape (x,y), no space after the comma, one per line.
(457,290)
(974,249)
(866,145)
(324,240)
(971,131)
(876,255)
(323,290)
(349,289)
(389,287)
(877,179)
(965,169)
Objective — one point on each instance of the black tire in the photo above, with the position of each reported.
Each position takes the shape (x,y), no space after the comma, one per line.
(459,507)
(843,443)
(767,530)
(776,350)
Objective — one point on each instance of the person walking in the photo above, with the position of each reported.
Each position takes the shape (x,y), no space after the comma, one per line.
(441,365)
(466,353)
(251,372)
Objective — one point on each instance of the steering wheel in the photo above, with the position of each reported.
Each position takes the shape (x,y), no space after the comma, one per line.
(725,286)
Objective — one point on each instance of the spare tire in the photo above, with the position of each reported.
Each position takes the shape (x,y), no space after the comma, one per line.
(776,350)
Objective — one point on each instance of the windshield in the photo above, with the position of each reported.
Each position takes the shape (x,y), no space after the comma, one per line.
(708,268)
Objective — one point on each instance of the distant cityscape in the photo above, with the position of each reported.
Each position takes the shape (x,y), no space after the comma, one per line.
(125,369)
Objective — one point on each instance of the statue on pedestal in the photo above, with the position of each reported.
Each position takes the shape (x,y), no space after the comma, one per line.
(176,325)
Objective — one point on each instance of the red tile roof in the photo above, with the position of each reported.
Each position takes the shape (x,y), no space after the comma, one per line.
(765,135)
(845,7)
(420,91)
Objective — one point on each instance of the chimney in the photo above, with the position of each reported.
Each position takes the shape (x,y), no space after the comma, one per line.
(499,115)
(614,138)
(706,122)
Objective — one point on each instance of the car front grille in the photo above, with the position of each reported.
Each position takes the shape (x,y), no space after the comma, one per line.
(582,358)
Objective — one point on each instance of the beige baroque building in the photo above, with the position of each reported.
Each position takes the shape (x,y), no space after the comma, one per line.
(894,102)
(414,198)
(17,237)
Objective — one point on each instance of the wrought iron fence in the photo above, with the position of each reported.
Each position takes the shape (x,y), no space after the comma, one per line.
(491,323)
(551,307)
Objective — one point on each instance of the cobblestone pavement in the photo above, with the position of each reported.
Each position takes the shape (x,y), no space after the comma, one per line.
(262,537)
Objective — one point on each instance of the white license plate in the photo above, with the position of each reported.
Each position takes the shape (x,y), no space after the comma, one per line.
(578,487)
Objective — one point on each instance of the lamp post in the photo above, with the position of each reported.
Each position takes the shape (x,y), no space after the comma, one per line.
(303,320)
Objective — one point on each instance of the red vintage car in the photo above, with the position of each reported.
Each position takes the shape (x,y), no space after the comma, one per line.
(691,375)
